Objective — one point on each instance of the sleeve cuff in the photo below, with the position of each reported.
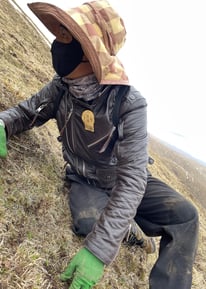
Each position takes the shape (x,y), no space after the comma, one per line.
(2,123)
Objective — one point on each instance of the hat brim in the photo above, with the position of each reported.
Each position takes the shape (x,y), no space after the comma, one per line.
(95,25)
(52,16)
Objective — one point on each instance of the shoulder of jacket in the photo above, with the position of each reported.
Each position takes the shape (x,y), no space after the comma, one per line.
(133,95)
(51,92)
(57,81)
(133,99)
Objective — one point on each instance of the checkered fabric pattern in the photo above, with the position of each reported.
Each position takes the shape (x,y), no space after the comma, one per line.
(99,29)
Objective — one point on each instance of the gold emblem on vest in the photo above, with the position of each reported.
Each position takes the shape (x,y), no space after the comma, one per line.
(88,120)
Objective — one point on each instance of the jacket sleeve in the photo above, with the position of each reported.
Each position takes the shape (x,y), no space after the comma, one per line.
(34,111)
(131,150)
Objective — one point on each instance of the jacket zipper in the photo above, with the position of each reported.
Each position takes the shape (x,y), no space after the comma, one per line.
(83,168)
(38,110)
(97,141)
(105,145)
(66,122)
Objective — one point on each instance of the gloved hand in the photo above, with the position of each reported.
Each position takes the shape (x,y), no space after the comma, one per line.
(86,268)
(3,147)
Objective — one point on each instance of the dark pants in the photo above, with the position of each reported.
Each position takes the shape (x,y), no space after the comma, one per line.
(162,212)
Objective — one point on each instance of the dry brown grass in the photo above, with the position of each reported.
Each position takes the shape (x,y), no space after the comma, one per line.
(36,241)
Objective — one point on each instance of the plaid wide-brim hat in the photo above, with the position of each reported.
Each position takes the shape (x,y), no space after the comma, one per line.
(99,29)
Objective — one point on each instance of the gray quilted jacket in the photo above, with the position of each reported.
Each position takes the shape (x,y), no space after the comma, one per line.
(86,145)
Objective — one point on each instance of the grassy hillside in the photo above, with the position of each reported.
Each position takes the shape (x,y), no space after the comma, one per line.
(36,241)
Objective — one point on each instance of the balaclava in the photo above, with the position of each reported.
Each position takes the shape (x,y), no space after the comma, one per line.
(66,56)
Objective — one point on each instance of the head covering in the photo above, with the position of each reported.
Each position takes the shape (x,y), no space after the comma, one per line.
(98,28)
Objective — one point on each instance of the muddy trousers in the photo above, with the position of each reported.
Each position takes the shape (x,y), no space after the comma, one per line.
(162,212)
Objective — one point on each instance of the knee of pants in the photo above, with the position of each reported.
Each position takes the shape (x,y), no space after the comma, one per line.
(83,227)
(184,211)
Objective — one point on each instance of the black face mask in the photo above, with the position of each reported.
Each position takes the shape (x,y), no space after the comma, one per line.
(66,56)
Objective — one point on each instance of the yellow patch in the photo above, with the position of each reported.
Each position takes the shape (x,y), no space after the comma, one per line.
(88,120)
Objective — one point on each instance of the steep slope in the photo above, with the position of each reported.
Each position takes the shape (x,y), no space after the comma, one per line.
(36,241)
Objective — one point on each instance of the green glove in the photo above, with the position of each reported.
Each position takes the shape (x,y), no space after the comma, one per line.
(86,268)
(3,148)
